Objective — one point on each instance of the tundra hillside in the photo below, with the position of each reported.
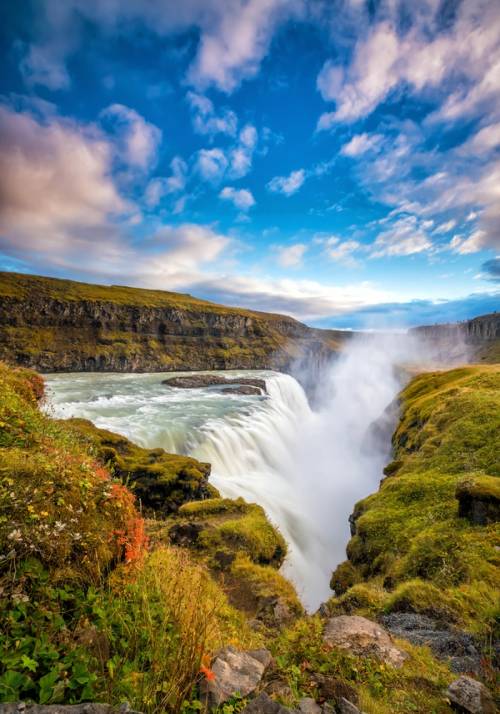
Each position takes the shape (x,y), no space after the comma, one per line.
(60,325)
(100,603)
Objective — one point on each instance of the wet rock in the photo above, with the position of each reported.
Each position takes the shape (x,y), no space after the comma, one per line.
(263,704)
(185,534)
(469,696)
(307,705)
(235,671)
(231,385)
(447,643)
(363,637)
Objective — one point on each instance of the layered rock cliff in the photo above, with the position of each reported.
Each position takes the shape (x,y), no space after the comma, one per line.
(61,325)
(472,340)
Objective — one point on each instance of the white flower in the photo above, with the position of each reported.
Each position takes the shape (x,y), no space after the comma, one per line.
(15,535)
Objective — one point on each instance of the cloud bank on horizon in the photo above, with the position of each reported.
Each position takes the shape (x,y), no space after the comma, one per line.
(336,160)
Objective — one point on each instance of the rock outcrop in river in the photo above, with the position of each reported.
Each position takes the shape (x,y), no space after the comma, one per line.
(61,325)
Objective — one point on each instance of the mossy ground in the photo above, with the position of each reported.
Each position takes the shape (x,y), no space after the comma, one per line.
(87,611)
(412,551)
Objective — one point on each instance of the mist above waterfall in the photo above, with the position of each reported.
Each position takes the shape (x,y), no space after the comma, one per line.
(306,466)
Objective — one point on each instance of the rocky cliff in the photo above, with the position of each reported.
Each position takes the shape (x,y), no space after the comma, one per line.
(61,325)
(472,340)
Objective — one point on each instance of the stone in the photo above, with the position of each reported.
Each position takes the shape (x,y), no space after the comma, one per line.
(235,385)
(331,688)
(235,672)
(263,704)
(456,647)
(363,637)
(347,707)
(280,689)
(184,534)
(469,696)
(307,705)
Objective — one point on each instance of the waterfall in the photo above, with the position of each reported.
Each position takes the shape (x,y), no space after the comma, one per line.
(306,467)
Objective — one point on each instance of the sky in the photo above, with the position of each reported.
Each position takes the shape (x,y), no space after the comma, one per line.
(334,160)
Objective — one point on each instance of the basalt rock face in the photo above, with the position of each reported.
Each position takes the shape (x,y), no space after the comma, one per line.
(476,339)
(58,325)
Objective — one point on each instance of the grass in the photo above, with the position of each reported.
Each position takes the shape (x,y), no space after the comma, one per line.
(412,551)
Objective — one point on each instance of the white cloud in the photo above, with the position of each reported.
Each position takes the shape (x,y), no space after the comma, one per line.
(288,185)
(360,144)
(426,57)
(486,140)
(161,186)
(478,240)
(342,252)
(291,256)
(59,195)
(241,155)
(207,121)
(445,227)
(211,164)
(241,198)
(404,237)
(138,139)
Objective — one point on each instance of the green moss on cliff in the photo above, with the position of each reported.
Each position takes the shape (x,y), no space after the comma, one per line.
(411,545)
(161,481)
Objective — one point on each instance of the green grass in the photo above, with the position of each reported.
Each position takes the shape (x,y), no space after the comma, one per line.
(411,548)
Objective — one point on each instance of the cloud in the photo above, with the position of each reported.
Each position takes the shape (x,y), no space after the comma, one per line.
(291,256)
(445,227)
(484,141)
(241,198)
(241,155)
(59,194)
(234,37)
(160,186)
(425,57)
(206,120)
(360,144)
(233,45)
(342,252)
(287,185)
(490,270)
(478,240)
(138,139)
(405,237)
(211,164)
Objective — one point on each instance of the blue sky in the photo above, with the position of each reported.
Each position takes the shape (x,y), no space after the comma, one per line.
(336,161)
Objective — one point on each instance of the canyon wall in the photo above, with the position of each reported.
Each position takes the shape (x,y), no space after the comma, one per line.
(60,325)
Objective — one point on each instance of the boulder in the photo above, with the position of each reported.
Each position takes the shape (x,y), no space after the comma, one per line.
(447,643)
(263,704)
(363,637)
(469,696)
(235,672)
(307,705)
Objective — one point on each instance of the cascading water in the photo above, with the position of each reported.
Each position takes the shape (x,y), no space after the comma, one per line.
(306,468)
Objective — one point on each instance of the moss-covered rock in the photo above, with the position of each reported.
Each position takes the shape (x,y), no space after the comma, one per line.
(479,499)
(161,482)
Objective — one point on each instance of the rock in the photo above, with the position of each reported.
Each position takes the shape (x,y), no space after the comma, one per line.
(479,499)
(333,689)
(231,385)
(347,707)
(235,671)
(185,534)
(469,696)
(307,705)
(446,643)
(263,704)
(274,611)
(363,637)
(280,689)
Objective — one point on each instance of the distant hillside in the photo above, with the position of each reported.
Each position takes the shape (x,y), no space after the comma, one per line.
(476,340)
(62,325)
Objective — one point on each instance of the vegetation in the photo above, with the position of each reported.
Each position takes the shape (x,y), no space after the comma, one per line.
(412,551)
